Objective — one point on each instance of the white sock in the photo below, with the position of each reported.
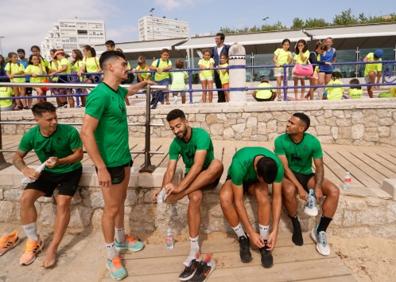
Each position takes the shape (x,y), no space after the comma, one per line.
(120,234)
(194,249)
(31,231)
(239,230)
(111,250)
(264,231)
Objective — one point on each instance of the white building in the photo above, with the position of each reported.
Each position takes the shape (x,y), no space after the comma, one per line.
(74,34)
(154,28)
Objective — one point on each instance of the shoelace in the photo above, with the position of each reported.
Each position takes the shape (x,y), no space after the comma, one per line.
(322,238)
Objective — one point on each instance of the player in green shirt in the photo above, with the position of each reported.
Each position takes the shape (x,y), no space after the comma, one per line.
(296,149)
(251,171)
(60,147)
(105,136)
(195,147)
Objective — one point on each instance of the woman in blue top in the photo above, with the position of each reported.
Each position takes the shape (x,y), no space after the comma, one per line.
(328,58)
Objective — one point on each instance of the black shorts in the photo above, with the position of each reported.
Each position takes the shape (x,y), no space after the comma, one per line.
(117,173)
(304,179)
(66,183)
(245,185)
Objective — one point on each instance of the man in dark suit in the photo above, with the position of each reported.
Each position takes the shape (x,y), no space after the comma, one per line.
(217,51)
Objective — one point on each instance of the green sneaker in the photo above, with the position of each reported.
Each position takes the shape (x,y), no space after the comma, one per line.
(116,268)
(129,244)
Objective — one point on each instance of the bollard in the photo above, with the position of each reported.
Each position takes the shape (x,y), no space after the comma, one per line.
(237,57)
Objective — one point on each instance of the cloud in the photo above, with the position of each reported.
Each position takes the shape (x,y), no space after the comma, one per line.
(173,4)
(26,23)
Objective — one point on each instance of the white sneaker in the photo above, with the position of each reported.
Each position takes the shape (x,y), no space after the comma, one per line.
(310,208)
(322,246)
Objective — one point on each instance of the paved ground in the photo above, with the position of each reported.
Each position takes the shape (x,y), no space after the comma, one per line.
(82,259)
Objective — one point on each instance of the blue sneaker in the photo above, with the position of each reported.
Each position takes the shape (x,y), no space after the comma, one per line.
(116,268)
(129,244)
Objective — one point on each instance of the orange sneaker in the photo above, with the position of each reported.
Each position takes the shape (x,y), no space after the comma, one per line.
(32,249)
(8,241)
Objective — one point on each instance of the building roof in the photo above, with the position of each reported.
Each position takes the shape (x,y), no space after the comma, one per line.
(145,46)
(375,30)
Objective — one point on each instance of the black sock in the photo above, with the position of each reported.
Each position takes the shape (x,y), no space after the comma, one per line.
(297,235)
(323,224)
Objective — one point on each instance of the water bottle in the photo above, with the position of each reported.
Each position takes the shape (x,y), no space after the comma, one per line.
(347,181)
(161,196)
(310,208)
(169,239)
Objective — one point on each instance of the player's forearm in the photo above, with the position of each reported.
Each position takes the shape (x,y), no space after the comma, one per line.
(319,176)
(19,163)
(133,89)
(168,177)
(72,158)
(190,177)
(242,213)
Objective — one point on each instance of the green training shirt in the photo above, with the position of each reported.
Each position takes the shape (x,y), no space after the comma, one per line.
(108,107)
(60,144)
(242,166)
(200,140)
(299,156)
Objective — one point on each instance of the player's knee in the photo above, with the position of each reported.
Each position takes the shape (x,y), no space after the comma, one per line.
(288,191)
(195,198)
(26,201)
(111,210)
(334,192)
(217,167)
(225,198)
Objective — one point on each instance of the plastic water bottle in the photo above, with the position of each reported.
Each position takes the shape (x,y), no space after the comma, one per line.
(311,208)
(169,242)
(161,196)
(347,181)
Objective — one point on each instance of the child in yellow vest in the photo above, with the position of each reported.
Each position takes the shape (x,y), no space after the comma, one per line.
(142,69)
(13,68)
(262,95)
(224,76)
(282,56)
(36,70)
(179,82)
(333,92)
(206,75)
(355,90)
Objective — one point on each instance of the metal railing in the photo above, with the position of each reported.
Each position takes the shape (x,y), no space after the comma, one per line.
(147,166)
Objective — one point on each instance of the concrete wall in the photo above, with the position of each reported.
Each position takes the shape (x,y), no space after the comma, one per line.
(363,122)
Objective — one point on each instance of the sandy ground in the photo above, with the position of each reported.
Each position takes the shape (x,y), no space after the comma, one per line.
(369,258)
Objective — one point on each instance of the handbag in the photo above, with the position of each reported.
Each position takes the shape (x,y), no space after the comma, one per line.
(303,70)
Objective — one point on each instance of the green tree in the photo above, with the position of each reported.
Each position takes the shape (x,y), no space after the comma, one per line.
(298,23)
(345,18)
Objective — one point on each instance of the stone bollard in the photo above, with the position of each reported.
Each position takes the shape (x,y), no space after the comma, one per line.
(237,57)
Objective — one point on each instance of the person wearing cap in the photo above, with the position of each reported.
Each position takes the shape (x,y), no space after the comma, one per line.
(373,72)
(262,95)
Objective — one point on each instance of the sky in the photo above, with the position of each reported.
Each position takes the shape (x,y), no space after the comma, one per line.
(24,22)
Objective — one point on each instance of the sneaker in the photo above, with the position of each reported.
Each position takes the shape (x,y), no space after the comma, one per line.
(297,237)
(205,268)
(310,208)
(8,242)
(322,246)
(116,268)
(189,271)
(244,249)
(267,260)
(129,244)
(32,249)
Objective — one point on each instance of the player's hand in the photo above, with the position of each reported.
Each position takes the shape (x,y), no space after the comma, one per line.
(318,194)
(256,239)
(104,177)
(154,195)
(170,188)
(272,239)
(303,194)
(30,173)
(51,162)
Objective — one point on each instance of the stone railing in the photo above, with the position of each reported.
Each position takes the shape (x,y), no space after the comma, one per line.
(362,122)
(358,214)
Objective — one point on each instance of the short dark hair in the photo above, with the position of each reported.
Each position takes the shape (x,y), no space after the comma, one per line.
(34,47)
(174,114)
(304,118)
(21,51)
(165,50)
(336,74)
(43,107)
(355,84)
(267,169)
(110,43)
(179,64)
(221,35)
(109,55)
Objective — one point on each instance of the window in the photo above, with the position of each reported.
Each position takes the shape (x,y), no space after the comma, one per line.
(82,31)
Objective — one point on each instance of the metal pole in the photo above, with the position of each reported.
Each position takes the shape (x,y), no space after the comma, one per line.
(3,163)
(357,60)
(190,85)
(285,83)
